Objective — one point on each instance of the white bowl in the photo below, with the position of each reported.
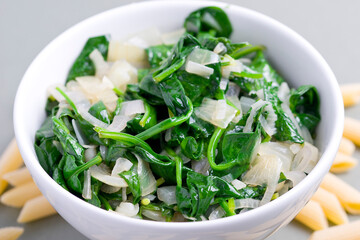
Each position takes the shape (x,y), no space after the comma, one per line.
(297,61)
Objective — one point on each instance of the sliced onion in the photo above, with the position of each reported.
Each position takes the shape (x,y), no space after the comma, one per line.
(217,213)
(91,119)
(203,57)
(233,90)
(101,66)
(127,52)
(295,177)
(238,184)
(280,149)
(234,66)
(123,194)
(146,178)
(121,165)
(168,135)
(103,151)
(119,123)
(211,21)
(295,148)
(220,48)
(131,108)
(167,194)
(127,209)
(228,177)
(198,69)
(148,37)
(122,73)
(86,193)
(201,166)
(216,112)
(306,159)
(153,215)
(246,103)
(284,92)
(151,197)
(109,189)
(224,83)
(51,90)
(172,37)
(288,112)
(306,134)
(79,134)
(244,60)
(101,174)
(254,109)
(90,153)
(246,203)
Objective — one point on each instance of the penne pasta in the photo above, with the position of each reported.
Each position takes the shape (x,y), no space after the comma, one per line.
(348,196)
(17,196)
(352,130)
(35,209)
(343,163)
(349,231)
(331,206)
(10,160)
(350,94)
(18,177)
(347,147)
(11,233)
(312,215)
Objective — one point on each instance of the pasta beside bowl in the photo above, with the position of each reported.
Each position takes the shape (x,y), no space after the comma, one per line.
(210,195)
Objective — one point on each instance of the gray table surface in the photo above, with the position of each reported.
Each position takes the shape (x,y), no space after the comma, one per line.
(333,27)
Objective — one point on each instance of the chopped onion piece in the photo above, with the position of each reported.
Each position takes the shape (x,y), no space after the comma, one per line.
(234,66)
(284,92)
(168,135)
(121,165)
(153,215)
(233,90)
(119,123)
(245,60)
(131,108)
(220,48)
(198,69)
(124,51)
(295,148)
(228,177)
(146,178)
(217,213)
(203,57)
(103,151)
(216,112)
(91,119)
(127,209)
(282,150)
(151,197)
(101,66)
(101,174)
(79,134)
(90,153)
(109,189)
(172,37)
(167,194)
(148,37)
(246,203)
(122,73)
(224,83)
(306,159)
(295,177)
(51,90)
(254,109)
(246,103)
(123,194)
(201,166)
(238,184)
(86,193)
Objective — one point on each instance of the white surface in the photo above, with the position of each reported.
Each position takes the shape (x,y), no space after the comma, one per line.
(27,26)
(296,59)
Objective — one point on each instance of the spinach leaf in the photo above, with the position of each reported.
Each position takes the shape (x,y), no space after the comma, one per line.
(166,211)
(132,179)
(207,19)
(99,111)
(199,127)
(83,65)
(305,103)
(177,135)
(157,54)
(260,64)
(141,122)
(45,131)
(150,90)
(192,148)
(48,155)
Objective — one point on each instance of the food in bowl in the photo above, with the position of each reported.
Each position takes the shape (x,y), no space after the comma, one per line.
(183,126)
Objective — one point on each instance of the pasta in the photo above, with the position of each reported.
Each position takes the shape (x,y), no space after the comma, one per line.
(312,216)
(10,160)
(35,209)
(343,163)
(347,147)
(350,94)
(331,206)
(11,233)
(18,177)
(352,130)
(348,196)
(349,231)
(17,196)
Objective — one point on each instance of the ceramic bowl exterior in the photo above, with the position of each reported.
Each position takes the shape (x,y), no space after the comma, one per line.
(296,60)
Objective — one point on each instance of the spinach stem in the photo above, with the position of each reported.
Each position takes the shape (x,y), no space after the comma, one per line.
(242,52)
(168,71)
(226,208)
(166,124)
(96,160)
(105,202)
(146,114)
(215,138)
(179,166)
(71,103)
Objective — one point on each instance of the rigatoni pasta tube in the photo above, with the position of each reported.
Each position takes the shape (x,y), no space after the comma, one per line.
(312,215)
(346,146)
(348,196)
(349,231)
(331,206)
(35,209)
(10,160)
(352,130)
(11,233)
(343,163)
(18,177)
(17,196)
(350,94)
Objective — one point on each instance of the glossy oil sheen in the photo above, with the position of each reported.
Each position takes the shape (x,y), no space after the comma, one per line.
(297,61)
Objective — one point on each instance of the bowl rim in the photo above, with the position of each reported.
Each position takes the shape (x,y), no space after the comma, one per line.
(31,161)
